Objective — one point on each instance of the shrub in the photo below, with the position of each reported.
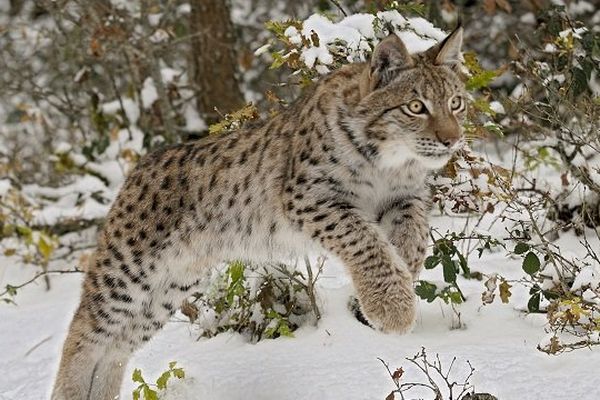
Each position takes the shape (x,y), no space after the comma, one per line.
(259,302)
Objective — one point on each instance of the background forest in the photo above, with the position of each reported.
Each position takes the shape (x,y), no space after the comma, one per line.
(512,281)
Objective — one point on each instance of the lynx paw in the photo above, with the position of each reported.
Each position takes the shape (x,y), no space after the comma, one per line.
(390,310)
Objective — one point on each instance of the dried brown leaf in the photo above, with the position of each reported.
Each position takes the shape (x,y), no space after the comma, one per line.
(397,374)
(189,310)
(505,292)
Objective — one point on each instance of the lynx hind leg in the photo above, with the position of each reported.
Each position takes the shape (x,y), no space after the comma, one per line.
(122,306)
(87,361)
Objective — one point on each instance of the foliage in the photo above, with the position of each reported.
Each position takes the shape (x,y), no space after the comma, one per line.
(259,302)
(234,120)
(150,391)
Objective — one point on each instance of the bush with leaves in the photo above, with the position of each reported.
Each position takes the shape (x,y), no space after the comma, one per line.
(259,302)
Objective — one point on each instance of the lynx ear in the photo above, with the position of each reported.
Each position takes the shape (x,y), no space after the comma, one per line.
(389,57)
(449,50)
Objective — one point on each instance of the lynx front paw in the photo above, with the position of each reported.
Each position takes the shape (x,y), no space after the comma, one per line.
(390,310)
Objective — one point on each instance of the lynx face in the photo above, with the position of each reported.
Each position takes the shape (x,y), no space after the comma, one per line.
(417,102)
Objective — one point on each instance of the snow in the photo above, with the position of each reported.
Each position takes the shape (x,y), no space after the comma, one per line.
(168,75)
(358,33)
(63,148)
(193,121)
(154,19)
(581,7)
(575,32)
(4,186)
(184,9)
(159,36)
(149,93)
(337,359)
(589,276)
(518,92)
(263,49)
(497,107)
(130,107)
(320,53)
(528,18)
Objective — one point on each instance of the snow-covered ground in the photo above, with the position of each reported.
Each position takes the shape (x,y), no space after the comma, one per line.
(338,359)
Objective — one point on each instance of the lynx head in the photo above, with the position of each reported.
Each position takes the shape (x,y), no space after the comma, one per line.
(414,104)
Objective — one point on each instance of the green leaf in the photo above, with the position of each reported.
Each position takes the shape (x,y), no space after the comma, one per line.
(24,231)
(455,297)
(449,270)
(179,373)
(284,330)
(531,263)
(136,393)
(533,305)
(137,376)
(426,291)
(150,394)
(463,265)
(45,248)
(236,271)
(162,381)
(580,82)
(11,290)
(172,364)
(521,248)
(431,262)
(481,80)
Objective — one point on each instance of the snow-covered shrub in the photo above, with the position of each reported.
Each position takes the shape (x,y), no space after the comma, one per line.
(258,302)
(85,90)
(554,113)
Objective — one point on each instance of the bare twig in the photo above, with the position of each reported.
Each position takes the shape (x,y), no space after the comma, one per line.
(339,7)
(10,288)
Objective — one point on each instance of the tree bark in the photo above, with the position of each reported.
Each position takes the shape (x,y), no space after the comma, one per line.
(214,62)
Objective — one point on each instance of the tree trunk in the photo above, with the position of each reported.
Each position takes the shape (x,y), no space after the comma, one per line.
(213,60)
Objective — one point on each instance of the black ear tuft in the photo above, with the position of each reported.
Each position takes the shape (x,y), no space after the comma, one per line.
(389,57)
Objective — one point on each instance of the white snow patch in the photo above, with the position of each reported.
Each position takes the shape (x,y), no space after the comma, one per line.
(262,49)
(84,185)
(159,36)
(518,92)
(63,148)
(130,107)
(149,93)
(169,74)
(193,120)
(589,276)
(4,186)
(154,19)
(357,33)
(528,18)
(497,107)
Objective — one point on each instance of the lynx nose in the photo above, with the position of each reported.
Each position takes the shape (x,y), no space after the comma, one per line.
(447,131)
(450,141)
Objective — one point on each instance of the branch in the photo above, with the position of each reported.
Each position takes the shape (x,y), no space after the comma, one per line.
(12,288)
(339,6)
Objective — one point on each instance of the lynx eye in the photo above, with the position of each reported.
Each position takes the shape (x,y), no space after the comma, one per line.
(416,107)
(456,103)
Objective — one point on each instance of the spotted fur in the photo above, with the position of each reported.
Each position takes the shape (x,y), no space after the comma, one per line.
(342,171)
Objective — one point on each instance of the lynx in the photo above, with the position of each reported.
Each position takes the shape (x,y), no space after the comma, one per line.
(341,171)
